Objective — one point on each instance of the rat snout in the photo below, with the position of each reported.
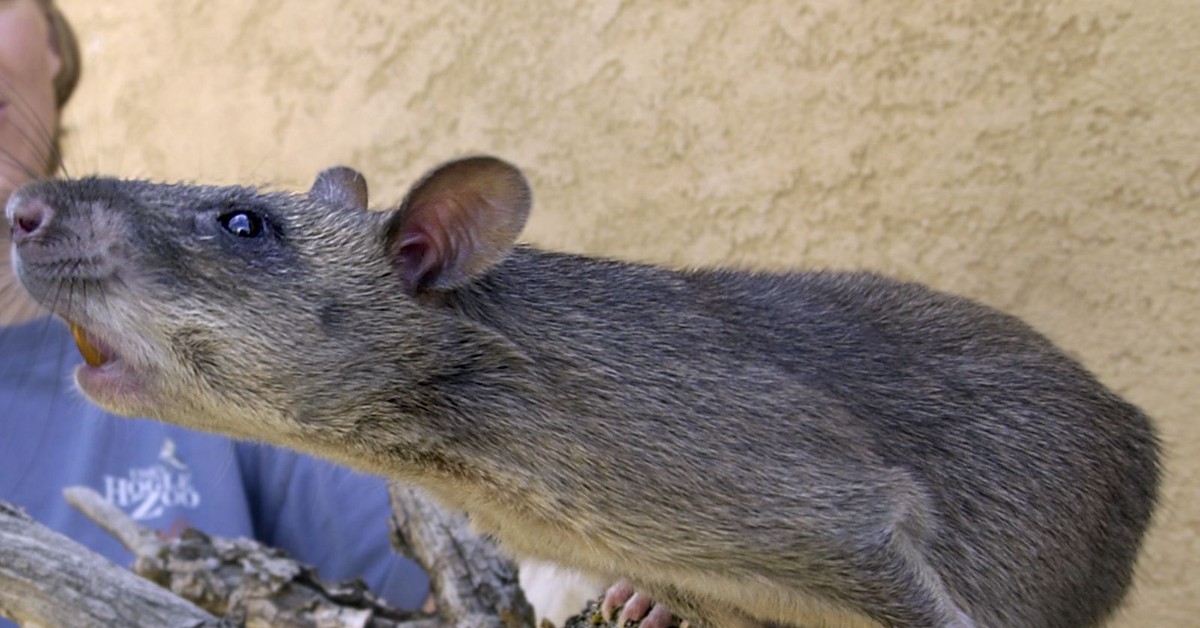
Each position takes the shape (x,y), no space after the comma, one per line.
(28,217)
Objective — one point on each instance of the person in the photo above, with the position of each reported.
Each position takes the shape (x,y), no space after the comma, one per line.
(164,476)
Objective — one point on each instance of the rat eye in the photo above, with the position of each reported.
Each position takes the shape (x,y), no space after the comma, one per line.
(242,223)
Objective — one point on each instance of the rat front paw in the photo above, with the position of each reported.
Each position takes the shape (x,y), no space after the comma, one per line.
(637,609)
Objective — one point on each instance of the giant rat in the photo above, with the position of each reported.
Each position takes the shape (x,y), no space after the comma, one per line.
(750,449)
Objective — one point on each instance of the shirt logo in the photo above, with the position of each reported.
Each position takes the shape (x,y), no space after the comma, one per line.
(147,492)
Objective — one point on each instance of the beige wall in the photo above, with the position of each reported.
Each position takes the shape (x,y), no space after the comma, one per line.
(1041,156)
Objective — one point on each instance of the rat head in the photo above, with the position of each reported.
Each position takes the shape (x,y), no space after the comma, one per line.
(252,314)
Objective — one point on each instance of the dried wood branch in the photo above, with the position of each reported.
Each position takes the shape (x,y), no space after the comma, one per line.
(474,584)
(242,580)
(47,579)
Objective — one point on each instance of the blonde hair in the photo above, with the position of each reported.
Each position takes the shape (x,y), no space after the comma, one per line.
(67,47)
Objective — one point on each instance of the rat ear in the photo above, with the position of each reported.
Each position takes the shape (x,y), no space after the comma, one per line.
(456,222)
(340,185)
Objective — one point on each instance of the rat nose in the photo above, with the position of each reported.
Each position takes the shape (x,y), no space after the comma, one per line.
(28,218)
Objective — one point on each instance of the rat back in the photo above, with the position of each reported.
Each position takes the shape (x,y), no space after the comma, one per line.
(1026,484)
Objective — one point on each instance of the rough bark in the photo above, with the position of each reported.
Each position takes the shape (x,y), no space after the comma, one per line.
(241,580)
(49,580)
(473,583)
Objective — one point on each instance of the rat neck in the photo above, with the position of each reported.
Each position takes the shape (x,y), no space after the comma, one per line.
(515,371)
(556,338)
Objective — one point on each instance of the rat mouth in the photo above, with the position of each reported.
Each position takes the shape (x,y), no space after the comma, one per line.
(105,376)
(94,351)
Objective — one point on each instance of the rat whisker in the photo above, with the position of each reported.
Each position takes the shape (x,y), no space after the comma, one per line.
(41,136)
(31,173)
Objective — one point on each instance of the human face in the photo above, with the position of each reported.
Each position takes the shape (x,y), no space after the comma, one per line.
(28,113)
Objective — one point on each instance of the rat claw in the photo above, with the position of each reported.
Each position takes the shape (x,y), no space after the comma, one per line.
(616,597)
(659,617)
(636,609)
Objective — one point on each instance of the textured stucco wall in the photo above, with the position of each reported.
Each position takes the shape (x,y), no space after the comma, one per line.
(1041,156)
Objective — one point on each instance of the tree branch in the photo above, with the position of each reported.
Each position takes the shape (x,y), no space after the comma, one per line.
(242,580)
(473,583)
(47,579)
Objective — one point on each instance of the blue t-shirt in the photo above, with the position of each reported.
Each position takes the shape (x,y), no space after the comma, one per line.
(167,477)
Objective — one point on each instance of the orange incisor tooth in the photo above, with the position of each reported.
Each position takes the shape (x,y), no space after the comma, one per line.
(90,354)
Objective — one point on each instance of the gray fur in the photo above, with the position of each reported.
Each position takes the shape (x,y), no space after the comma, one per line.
(758,449)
